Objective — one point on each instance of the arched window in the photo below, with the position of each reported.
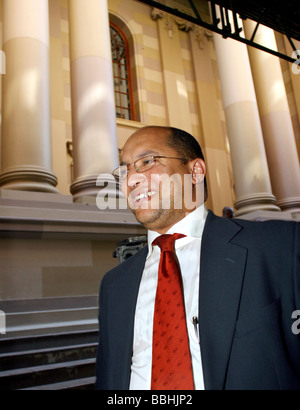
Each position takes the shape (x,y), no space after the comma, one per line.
(122,75)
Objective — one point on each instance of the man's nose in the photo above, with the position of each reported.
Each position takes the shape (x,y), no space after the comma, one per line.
(134,178)
(132,181)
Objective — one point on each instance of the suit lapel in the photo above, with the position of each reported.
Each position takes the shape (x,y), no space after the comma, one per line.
(122,314)
(221,276)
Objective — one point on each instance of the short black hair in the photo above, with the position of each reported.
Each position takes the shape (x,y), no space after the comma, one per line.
(187,146)
(184,144)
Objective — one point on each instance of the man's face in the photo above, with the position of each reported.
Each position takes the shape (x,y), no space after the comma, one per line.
(146,193)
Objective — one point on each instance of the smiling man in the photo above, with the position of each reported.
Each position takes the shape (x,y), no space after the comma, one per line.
(152,173)
(208,304)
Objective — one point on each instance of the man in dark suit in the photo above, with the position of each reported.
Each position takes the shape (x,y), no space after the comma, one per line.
(241,279)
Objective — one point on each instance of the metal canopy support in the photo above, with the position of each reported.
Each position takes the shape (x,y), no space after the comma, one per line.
(223,26)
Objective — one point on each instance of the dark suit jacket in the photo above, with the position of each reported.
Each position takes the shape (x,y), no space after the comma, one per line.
(249,288)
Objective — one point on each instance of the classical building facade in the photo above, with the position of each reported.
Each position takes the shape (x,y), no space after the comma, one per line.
(80,77)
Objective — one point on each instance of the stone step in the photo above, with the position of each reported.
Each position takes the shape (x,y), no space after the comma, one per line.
(50,344)
(31,377)
(47,341)
(34,358)
(49,315)
(87,383)
(32,305)
(34,323)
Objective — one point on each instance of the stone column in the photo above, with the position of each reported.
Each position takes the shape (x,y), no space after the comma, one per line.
(26,161)
(250,168)
(275,119)
(295,77)
(213,143)
(294,70)
(176,92)
(93,106)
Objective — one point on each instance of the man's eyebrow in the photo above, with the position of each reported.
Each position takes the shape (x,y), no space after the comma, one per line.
(142,155)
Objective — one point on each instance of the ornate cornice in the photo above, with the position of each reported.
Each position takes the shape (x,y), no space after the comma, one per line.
(201,35)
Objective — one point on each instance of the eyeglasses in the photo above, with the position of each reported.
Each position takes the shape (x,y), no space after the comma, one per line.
(140,165)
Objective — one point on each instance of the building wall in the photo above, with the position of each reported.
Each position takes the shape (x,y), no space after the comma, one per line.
(163,61)
(176,82)
(292,85)
(35,268)
(60,93)
(168,64)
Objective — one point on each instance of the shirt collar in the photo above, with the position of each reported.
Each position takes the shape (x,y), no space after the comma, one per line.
(191,225)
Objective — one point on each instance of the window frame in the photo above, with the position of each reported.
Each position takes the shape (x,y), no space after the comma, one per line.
(129,95)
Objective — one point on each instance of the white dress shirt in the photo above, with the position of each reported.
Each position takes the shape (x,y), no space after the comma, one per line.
(188,254)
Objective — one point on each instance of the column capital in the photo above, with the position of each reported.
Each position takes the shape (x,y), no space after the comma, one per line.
(201,34)
(157,14)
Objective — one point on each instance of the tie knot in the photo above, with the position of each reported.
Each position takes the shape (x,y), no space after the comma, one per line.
(167,242)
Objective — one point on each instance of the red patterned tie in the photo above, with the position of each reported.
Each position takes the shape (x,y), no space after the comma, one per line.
(171,358)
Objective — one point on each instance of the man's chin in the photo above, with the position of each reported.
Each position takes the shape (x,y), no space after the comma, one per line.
(147,217)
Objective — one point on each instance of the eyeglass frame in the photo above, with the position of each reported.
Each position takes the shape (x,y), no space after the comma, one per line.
(116,172)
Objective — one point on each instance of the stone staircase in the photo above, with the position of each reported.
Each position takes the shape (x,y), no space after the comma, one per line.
(49,315)
(50,345)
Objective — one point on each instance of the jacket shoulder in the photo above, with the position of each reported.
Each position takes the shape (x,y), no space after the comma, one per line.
(269,235)
(252,226)
(124,269)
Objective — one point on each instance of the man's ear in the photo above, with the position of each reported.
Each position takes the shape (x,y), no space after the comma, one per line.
(198,171)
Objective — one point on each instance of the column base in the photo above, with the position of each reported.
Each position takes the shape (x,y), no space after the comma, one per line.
(36,179)
(268,215)
(289,204)
(102,190)
(256,202)
(84,187)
